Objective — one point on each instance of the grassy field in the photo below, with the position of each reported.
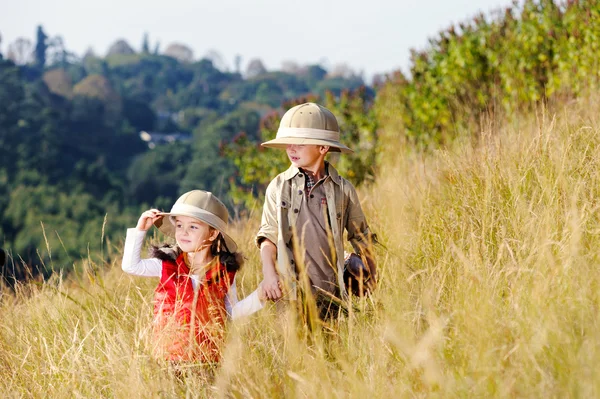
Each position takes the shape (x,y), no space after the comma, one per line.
(489,287)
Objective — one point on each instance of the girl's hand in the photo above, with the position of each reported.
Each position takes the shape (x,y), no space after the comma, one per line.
(147,219)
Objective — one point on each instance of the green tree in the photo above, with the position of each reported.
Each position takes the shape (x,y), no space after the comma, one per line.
(358,126)
(41,46)
(155,177)
(146,44)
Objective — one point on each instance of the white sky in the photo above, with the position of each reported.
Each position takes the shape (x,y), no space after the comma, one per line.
(373,36)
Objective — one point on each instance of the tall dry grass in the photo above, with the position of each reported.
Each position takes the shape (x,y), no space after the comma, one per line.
(488,288)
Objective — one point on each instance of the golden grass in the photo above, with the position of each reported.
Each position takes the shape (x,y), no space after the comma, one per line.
(489,287)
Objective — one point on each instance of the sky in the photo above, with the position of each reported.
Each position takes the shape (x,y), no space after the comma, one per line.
(370,36)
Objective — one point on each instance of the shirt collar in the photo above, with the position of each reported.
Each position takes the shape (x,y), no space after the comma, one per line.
(332,172)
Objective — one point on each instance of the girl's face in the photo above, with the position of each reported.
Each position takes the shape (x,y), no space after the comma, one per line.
(192,234)
(306,156)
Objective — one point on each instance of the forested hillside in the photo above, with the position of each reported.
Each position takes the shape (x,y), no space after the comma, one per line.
(75,169)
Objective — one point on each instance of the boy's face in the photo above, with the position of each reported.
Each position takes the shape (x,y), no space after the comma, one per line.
(307,156)
(192,234)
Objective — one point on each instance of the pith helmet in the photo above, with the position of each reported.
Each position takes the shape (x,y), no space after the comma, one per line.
(308,123)
(201,205)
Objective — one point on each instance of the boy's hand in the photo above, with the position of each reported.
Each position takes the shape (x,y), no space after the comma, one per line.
(271,287)
(147,219)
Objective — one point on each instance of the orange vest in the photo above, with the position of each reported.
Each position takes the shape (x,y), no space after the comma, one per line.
(189,325)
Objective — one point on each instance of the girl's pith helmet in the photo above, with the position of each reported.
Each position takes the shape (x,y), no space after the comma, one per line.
(201,205)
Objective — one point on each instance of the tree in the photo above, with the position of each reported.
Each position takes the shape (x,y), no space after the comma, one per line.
(99,87)
(255,68)
(59,82)
(41,46)
(57,54)
(12,95)
(145,44)
(180,52)
(358,126)
(217,60)
(289,66)
(158,173)
(237,62)
(139,114)
(120,47)
(20,51)
(313,74)
(342,70)
(93,64)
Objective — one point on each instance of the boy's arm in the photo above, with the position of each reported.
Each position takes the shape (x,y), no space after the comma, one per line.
(266,239)
(359,234)
(268,256)
(269,223)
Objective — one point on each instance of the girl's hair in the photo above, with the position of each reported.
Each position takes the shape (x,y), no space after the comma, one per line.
(232,260)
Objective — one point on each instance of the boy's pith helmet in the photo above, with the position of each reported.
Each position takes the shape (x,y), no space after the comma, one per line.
(201,205)
(308,123)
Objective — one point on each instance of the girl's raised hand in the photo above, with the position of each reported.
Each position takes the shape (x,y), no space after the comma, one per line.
(147,219)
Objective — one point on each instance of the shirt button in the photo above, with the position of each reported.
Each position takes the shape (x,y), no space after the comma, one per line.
(300,175)
(292,261)
(312,196)
(296,210)
(299,192)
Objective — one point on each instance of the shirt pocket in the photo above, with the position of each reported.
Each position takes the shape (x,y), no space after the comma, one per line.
(284,206)
(284,203)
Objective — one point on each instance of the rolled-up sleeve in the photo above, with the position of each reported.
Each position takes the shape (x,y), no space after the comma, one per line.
(268,226)
(359,234)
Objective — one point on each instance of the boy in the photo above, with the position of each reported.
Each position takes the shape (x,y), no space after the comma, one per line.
(310,205)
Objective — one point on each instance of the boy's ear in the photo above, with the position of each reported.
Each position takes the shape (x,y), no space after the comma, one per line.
(324,149)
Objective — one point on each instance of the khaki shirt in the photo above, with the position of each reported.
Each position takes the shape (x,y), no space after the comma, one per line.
(312,230)
(280,213)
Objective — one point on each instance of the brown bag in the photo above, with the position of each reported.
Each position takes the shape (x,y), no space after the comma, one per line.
(357,276)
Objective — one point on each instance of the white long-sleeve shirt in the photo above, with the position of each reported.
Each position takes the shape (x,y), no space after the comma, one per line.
(152,267)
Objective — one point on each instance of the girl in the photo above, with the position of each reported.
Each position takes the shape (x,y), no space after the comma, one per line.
(197,277)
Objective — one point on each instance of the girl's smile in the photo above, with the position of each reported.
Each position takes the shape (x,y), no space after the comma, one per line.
(192,234)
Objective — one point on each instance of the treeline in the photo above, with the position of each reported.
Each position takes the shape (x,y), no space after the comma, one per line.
(74,171)
(497,65)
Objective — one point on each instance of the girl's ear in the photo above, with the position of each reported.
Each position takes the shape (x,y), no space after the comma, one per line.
(214,233)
